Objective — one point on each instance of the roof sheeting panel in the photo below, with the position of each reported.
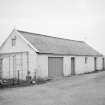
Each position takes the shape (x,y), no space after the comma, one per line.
(52,45)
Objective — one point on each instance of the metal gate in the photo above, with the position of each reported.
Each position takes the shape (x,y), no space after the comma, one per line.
(55,67)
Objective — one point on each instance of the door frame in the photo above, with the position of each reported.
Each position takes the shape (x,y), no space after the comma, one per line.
(62,74)
(1,63)
(95,63)
(103,63)
(72,65)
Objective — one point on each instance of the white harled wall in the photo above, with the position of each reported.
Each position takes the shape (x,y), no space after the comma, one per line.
(67,66)
(42,66)
(80,65)
(90,64)
(39,62)
(21,46)
(99,63)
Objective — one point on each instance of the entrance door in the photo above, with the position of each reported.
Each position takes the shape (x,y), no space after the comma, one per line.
(103,63)
(0,68)
(72,66)
(95,63)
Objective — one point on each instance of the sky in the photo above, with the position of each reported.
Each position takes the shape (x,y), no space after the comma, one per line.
(73,19)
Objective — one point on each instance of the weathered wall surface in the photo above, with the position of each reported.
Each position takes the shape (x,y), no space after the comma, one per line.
(5,67)
(79,65)
(29,63)
(20,46)
(99,63)
(90,64)
(42,66)
(67,66)
(39,62)
(32,63)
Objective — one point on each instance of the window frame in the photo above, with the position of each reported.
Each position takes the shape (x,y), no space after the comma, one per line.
(13,41)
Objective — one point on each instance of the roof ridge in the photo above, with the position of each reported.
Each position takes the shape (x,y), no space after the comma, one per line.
(50,36)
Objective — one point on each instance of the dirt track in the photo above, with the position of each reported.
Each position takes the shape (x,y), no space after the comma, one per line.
(86,89)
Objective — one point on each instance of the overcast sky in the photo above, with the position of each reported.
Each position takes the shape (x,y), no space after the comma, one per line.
(73,19)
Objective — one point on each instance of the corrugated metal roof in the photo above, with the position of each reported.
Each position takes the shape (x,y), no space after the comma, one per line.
(53,45)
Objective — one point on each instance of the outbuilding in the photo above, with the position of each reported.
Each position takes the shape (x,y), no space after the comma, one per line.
(24,53)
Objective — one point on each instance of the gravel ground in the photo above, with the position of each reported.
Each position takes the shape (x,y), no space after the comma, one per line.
(88,89)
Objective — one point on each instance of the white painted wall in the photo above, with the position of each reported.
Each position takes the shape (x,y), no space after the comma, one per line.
(18,67)
(5,65)
(67,66)
(79,65)
(99,63)
(33,62)
(11,66)
(42,67)
(90,64)
(39,63)
(21,46)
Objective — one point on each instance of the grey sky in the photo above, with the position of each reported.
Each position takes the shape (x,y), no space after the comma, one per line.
(73,19)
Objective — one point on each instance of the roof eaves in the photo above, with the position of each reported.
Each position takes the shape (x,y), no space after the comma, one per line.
(100,55)
(6,39)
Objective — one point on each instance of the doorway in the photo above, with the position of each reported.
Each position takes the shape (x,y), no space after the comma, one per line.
(55,67)
(0,68)
(95,64)
(72,66)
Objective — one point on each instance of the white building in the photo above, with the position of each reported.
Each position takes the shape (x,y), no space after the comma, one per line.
(46,56)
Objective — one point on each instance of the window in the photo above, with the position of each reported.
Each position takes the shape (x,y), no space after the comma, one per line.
(85,59)
(14,41)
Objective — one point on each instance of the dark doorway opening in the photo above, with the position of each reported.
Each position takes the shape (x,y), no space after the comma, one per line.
(72,66)
(103,63)
(95,64)
(1,68)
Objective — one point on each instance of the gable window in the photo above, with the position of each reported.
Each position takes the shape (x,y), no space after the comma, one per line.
(86,59)
(14,41)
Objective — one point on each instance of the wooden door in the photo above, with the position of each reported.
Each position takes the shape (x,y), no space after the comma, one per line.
(0,68)
(72,66)
(55,67)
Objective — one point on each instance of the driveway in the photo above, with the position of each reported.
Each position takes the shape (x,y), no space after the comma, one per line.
(88,89)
